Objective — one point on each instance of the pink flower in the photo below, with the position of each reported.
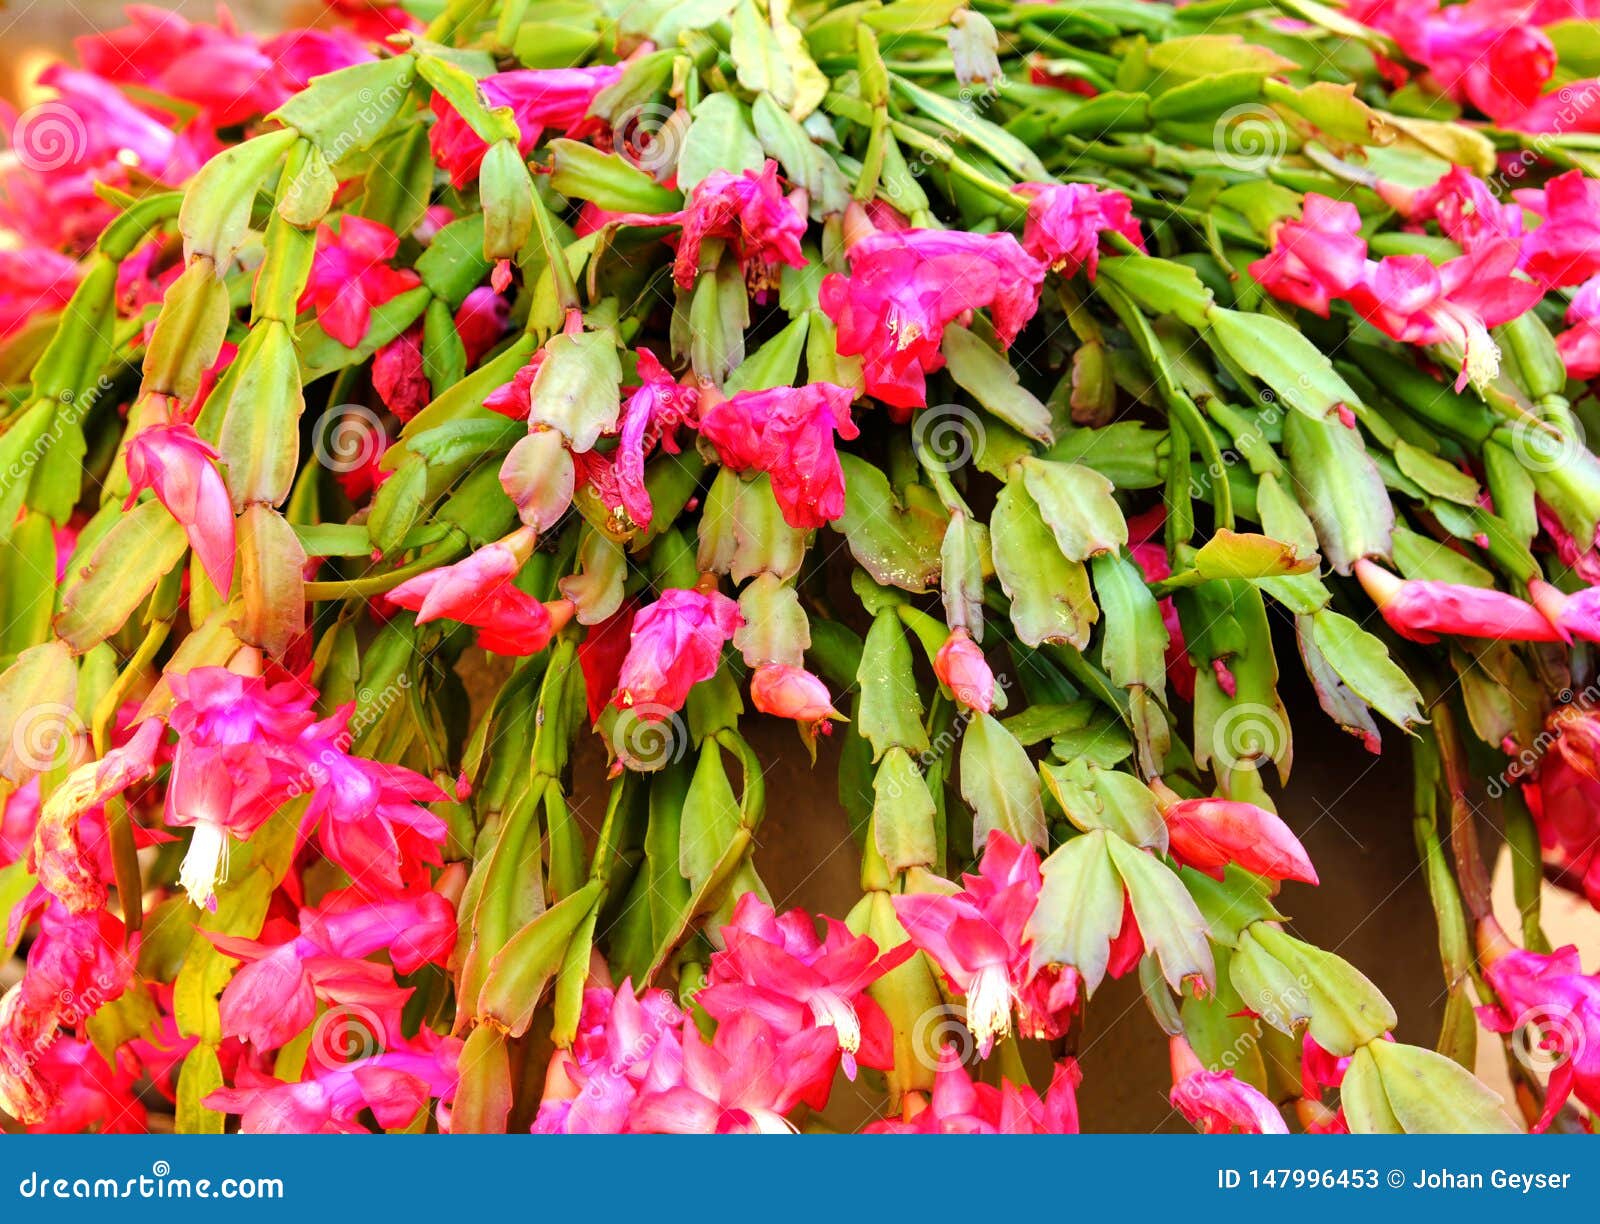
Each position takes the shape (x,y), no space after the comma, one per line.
(92,1095)
(173,461)
(1150,555)
(350,275)
(962,669)
(791,692)
(904,288)
(481,320)
(1463,206)
(1573,615)
(774,966)
(1065,221)
(957,1106)
(1421,610)
(651,415)
(273,996)
(675,644)
(398,376)
(538,98)
(394,1085)
(978,938)
(1552,998)
(1209,834)
(749,212)
(1321,258)
(788,432)
(33,282)
(1565,249)
(592,1089)
(479,591)
(1579,345)
(1564,797)
(742,1082)
(1219,1102)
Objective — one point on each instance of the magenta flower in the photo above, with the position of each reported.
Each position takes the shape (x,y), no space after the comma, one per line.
(978,939)
(481,320)
(742,1082)
(33,282)
(398,375)
(1422,610)
(273,996)
(1550,997)
(749,212)
(1065,222)
(676,642)
(651,415)
(788,432)
(394,1085)
(1565,249)
(1463,206)
(1219,1102)
(962,669)
(1322,258)
(479,591)
(179,467)
(1209,834)
(591,1089)
(774,966)
(538,98)
(350,275)
(957,1106)
(1564,797)
(905,287)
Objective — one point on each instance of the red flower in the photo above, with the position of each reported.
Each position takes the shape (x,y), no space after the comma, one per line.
(1564,797)
(904,288)
(1579,345)
(788,432)
(1065,222)
(1219,1102)
(676,643)
(174,462)
(398,376)
(1565,249)
(962,669)
(538,98)
(479,591)
(1421,610)
(350,275)
(1208,834)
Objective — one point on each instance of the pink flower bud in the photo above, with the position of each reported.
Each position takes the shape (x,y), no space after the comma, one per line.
(962,668)
(791,692)
(1421,610)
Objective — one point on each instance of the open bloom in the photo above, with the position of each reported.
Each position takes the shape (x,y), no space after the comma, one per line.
(350,275)
(904,288)
(538,98)
(1421,610)
(651,415)
(977,937)
(962,669)
(1219,1102)
(1208,834)
(1579,345)
(479,591)
(749,212)
(394,1085)
(774,966)
(741,1082)
(173,461)
(957,1106)
(623,1040)
(1321,258)
(1557,1004)
(1565,249)
(788,432)
(675,643)
(1065,221)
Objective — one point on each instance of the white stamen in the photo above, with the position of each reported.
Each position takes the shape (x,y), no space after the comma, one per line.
(835,1013)
(206,863)
(989,1006)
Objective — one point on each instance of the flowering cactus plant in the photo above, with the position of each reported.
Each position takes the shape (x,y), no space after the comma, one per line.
(975,385)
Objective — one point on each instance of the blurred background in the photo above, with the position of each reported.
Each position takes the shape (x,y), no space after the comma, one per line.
(1352,810)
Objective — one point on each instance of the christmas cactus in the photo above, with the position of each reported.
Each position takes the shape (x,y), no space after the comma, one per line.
(1001,392)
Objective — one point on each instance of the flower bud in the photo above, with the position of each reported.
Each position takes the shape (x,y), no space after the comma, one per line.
(962,669)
